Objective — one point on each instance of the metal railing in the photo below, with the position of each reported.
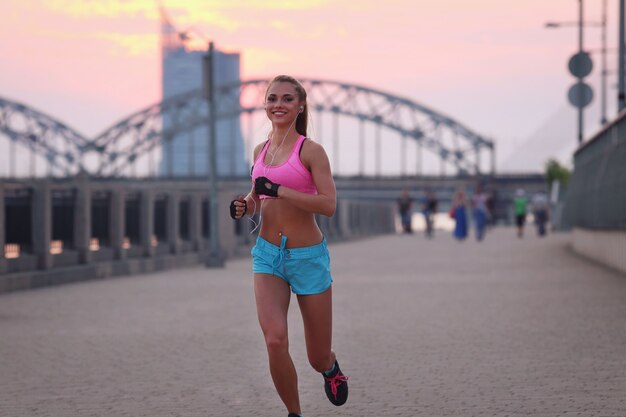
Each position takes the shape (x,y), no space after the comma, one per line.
(596,195)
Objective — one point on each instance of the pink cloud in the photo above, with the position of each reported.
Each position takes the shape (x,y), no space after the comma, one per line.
(429,50)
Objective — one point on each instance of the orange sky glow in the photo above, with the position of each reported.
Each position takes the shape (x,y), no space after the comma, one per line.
(488,63)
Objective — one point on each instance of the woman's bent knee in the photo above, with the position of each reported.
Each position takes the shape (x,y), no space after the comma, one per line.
(277,343)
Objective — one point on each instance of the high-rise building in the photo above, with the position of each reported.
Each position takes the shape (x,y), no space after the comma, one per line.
(187,153)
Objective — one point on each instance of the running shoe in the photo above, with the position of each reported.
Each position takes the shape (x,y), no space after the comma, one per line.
(336,386)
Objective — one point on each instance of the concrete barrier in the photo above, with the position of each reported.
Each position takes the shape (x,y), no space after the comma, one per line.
(155,246)
(605,247)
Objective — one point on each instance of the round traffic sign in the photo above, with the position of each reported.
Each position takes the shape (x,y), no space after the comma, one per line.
(580,64)
(580,94)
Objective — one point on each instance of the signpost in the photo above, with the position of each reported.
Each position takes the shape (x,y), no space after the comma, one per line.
(580,94)
(580,64)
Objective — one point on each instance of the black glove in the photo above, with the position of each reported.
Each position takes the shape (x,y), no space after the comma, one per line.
(233,209)
(260,187)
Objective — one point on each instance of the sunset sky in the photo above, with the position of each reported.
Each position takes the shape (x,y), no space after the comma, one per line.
(489,64)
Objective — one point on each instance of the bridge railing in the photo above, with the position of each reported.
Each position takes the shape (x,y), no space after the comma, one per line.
(596,196)
(55,231)
(595,205)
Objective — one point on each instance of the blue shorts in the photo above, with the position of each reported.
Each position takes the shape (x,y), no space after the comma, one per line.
(306,270)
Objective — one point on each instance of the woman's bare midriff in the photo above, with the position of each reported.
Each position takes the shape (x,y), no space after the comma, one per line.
(279,217)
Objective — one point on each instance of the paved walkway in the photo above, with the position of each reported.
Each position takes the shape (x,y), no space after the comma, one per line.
(424,328)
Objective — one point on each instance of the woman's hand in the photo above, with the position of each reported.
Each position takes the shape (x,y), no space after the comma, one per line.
(264,186)
(238,208)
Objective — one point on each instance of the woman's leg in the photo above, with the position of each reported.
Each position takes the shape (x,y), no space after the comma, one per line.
(480,224)
(317,315)
(272,301)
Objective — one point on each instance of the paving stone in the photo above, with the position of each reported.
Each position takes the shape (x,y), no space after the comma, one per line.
(506,327)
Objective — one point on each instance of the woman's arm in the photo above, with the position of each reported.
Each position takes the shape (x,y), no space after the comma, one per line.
(325,201)
(253,203)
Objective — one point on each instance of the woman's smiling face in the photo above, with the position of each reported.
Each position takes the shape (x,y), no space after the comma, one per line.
(282,103)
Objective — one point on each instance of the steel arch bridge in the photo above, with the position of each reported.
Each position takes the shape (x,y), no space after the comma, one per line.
(58,143)
(118,150)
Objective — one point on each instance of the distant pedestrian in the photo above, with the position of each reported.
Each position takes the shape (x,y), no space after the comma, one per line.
(429,209)
(540,208)
(520,203)
(458,213)
(292,183)
(405,209)
(491,208)
(479,208)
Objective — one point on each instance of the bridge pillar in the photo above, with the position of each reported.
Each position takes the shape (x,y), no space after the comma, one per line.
(42,224)
(173,214)
(195,222)
(82,221)
(343,222)
(225,224)
(3,262)
(147,222)
(117,222)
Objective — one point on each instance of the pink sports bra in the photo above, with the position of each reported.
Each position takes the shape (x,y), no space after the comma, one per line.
(292,173)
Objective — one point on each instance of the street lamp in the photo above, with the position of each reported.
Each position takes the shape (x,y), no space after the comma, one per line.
(214,257)
(554,25)
(621,95)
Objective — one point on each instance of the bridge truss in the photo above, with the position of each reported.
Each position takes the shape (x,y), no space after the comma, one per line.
(133,146)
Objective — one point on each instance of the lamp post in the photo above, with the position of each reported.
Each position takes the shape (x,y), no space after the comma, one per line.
(580,78)
(603,70)
(214,256)
(621,95)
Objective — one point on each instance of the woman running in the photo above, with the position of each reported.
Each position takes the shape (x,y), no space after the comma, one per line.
(292,182)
